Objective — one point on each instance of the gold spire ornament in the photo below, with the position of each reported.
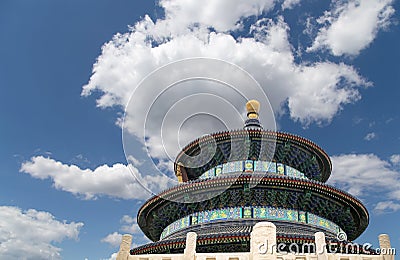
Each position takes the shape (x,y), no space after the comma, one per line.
(252,107)
(179,172)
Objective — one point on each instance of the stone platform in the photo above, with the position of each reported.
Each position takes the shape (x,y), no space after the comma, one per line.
(263,246)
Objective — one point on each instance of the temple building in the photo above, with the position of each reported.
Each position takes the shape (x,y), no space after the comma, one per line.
(252,194)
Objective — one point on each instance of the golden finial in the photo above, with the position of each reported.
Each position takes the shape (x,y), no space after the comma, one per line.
(252,107)
(179,172)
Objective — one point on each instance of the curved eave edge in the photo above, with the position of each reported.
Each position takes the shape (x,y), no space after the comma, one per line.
(219,136)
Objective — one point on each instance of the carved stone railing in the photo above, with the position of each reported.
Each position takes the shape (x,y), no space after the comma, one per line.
(262,247)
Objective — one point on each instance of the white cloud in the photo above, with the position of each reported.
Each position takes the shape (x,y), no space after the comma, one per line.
(367,175)
(31,234)
(114,181)
(128,226)
(114,239)
(395,159)
(134,161)
(318,95)
(370,136)
(128,219)
(222,15)
(312,92)
(352,25)
(387,207)
(112,257)
(371,124)
(289,4)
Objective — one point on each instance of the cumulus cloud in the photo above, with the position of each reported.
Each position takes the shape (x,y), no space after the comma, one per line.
(134,161)
(311,92)
(221,15)
(129,57)
(113,239)
(322,90)
(366,174)
(289,4)
(113,256)
(128,226)
(395,159)
(31,234)
(352,25)
(114,181)
(370,136)
(387,206)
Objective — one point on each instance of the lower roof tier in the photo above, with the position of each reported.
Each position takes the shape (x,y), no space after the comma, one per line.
(215,149)
(250,190)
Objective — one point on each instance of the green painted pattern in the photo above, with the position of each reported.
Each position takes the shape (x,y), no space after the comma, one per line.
(261,213)
(252,166)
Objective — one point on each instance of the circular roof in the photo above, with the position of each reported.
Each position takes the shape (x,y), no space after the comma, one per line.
(254,144)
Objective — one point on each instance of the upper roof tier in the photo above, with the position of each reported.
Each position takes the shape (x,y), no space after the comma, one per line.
(252,143)
(256,145)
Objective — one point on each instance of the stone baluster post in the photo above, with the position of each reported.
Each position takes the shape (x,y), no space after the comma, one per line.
(320,246)
(190,250)
(263,241)
(124,247)
(385,247)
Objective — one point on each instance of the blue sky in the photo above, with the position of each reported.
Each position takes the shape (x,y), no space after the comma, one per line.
(330,71)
